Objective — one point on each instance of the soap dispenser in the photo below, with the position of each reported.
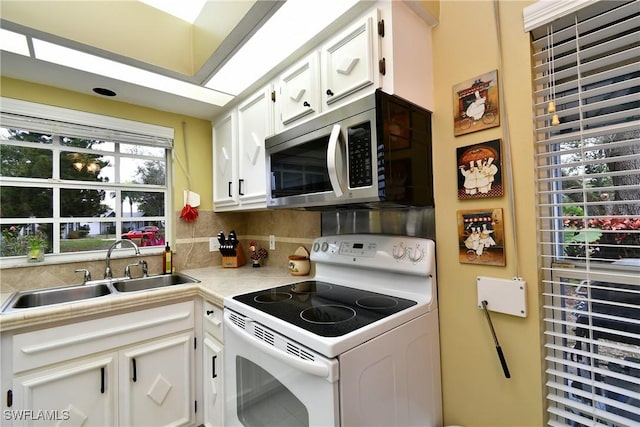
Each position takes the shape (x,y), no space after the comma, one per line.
(167,260)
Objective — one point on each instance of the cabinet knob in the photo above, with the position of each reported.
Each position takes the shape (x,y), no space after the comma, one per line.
(209,312)
(306,104)
(329,92)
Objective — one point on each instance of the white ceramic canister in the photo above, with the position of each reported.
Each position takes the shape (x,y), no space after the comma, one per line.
(299,263)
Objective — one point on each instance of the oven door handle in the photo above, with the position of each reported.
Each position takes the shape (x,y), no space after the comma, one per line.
(332,160)
(312,368)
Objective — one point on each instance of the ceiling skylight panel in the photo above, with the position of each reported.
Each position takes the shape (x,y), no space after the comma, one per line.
(285,32)
(105,67)
(13,42)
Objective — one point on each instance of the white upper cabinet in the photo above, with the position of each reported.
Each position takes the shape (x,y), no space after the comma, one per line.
(238,154)
(299,91)
(349,60)
(388,46)
(341,69)
(407,54)
(224,161)
(254,124)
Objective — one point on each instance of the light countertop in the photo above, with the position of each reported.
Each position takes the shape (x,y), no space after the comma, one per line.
(216,283)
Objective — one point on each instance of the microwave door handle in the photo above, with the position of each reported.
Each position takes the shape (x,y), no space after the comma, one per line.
(332,160)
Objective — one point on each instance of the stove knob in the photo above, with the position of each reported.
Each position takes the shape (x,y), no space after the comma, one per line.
(398,252)
(416,255)
(316,247)
(325,247)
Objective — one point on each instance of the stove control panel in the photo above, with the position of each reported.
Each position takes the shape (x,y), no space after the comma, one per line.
(358,249)
(384,252)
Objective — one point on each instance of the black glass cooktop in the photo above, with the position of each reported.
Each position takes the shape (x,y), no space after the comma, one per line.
(323,308)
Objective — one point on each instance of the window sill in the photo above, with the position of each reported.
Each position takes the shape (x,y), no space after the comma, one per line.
(57,259)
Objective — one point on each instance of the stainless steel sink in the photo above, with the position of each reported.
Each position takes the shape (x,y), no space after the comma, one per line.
(144,283)
(100,288)
(39,298)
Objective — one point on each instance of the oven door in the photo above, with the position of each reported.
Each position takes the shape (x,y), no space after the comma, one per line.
(268,386)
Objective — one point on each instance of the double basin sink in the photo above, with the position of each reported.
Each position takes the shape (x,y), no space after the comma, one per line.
(94,289)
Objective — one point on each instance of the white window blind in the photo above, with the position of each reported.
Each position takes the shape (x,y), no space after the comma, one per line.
(587,63)
(49,119)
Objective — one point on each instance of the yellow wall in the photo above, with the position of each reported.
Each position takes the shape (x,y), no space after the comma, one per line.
(198,132)
(475,391)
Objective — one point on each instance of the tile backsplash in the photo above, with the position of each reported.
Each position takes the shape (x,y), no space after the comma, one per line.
(292,228)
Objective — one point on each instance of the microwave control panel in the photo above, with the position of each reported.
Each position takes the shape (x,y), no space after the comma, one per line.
(359,155)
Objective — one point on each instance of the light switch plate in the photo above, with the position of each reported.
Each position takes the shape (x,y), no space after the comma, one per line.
(508,296)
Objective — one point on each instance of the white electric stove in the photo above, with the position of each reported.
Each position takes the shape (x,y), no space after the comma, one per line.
(357,344)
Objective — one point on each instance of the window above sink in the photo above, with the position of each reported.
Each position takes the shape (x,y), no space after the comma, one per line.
(72,183)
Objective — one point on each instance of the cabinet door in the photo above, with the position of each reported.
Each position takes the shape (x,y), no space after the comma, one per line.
(155,382)
(253,127)
(349,60)
(212,382)
(225,191)
(82,393)
(299,91)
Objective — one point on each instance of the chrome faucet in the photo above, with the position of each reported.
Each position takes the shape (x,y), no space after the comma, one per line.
(145,268)
(86,275)
(107,269)
(127,270)
(142,263)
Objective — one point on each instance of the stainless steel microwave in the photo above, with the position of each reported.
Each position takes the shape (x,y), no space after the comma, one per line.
(373,152)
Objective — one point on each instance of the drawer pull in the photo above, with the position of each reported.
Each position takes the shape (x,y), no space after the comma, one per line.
(210,312)
(102,380)
(213,367)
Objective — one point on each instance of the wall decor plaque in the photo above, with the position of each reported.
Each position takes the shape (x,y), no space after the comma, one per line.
(480,170)
(476,104)
(481,237)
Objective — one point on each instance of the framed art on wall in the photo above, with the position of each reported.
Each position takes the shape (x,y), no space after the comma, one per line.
(480,170)
(476,104)
(481,237)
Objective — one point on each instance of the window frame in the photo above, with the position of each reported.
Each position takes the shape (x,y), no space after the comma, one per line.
(60,121)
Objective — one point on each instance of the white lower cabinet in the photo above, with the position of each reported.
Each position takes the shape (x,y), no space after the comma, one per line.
(81,393)
(212,363)
(132,369)
(212,382)
(155,383)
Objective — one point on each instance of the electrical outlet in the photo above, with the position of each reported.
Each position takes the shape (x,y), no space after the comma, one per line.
(214,245)
(272,242)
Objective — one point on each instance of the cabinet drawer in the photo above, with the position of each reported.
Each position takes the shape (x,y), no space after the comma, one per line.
(61,343)
(212,320)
